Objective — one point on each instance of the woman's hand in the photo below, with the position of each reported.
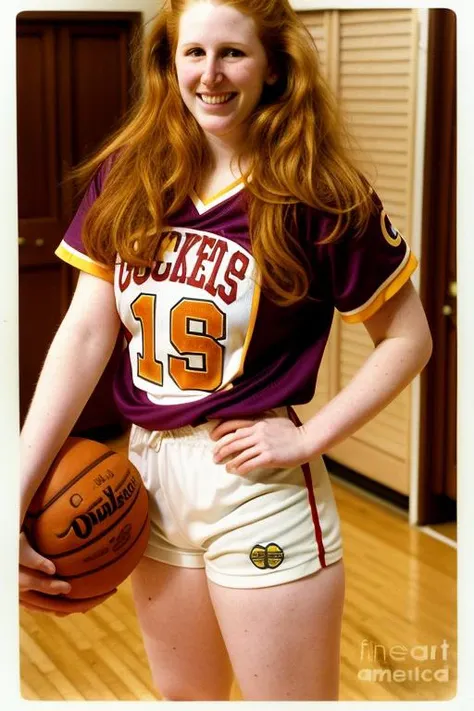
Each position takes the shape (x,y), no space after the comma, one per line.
(39,590)
(59,606)
(251,444)
(36,572)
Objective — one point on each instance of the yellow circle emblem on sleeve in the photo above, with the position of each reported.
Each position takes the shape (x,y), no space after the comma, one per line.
(390,233)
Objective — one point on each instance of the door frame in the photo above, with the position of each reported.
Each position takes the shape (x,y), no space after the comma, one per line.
(438,381)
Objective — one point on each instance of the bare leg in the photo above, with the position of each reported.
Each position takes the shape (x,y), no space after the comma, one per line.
(284,640)
(187,655)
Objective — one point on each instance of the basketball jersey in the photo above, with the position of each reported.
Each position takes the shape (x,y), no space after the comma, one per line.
(203,340)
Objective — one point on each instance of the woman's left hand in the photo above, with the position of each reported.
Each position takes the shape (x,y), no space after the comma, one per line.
(252,444)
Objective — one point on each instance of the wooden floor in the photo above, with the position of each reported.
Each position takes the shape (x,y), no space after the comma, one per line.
(398,640)
(450,530)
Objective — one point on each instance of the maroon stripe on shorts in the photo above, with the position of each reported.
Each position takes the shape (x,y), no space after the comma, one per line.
(312,501)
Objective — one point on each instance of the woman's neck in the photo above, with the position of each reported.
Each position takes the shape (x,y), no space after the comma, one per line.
(225,151)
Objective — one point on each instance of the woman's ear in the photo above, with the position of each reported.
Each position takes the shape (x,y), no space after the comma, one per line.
(272,78)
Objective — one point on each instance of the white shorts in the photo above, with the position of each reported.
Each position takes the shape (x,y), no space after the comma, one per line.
(248,531)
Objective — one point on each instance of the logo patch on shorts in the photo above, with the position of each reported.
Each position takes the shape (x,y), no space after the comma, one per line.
(269,556)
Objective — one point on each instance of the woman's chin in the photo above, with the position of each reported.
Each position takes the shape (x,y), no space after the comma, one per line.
(213,130)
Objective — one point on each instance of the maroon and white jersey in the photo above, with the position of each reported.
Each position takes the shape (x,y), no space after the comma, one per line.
(203,340)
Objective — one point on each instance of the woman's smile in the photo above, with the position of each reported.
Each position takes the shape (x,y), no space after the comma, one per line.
(217,99)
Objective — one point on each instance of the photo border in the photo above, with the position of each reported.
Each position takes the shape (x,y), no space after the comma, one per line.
(9,417)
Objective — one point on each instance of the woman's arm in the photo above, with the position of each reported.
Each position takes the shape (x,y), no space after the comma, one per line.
(75,361)
(403,346)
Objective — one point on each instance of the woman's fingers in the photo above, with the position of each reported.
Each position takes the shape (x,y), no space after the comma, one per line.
(35,608)
(36,571)
(228,426)
(60,605)
(251,458)
(32,580)
(41,592)
(29,558)
(227,447)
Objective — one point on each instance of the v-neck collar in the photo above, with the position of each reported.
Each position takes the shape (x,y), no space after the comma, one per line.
(203,206)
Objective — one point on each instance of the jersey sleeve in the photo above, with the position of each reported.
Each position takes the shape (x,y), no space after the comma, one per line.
(368,269)
(71,248)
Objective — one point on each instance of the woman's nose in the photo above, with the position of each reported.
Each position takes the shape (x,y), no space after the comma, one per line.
(211,74)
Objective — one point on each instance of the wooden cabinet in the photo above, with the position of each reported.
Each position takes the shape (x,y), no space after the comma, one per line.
(74,83)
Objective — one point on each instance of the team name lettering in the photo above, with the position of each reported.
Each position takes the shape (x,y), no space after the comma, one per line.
(181,267)
(84,524)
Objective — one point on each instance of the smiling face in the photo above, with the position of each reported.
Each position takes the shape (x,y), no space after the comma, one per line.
(221,67)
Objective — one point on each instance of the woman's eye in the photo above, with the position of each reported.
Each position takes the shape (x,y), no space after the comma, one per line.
(227,52)
(234,52)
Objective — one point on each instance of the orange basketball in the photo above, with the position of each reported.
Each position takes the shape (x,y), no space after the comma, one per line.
(90,517)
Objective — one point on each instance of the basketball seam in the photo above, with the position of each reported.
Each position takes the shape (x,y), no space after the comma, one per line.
(122,480)
(78,476)
(111,562)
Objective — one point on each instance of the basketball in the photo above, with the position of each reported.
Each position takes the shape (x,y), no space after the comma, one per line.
(90,517)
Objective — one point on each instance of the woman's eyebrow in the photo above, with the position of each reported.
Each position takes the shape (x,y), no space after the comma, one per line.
(227,43)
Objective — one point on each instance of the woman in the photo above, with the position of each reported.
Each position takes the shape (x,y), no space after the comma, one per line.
(222,226)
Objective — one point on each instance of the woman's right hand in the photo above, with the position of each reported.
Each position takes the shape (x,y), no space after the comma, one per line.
(39,590)
(36,572)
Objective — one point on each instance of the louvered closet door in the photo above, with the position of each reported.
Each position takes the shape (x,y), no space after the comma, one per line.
(318,25)
(372,60)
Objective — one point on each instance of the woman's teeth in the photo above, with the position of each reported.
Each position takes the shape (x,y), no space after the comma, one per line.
(221,99)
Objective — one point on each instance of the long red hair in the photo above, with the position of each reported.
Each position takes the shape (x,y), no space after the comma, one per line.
(296,152)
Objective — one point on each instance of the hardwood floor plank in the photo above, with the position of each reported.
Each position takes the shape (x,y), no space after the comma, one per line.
(57,644)
(33,679)
(28,693)
(110,674)
(34,652)
(67,690)
(129,678)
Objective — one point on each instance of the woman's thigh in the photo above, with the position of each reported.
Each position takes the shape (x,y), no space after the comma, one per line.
(284,640)
(185,649)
